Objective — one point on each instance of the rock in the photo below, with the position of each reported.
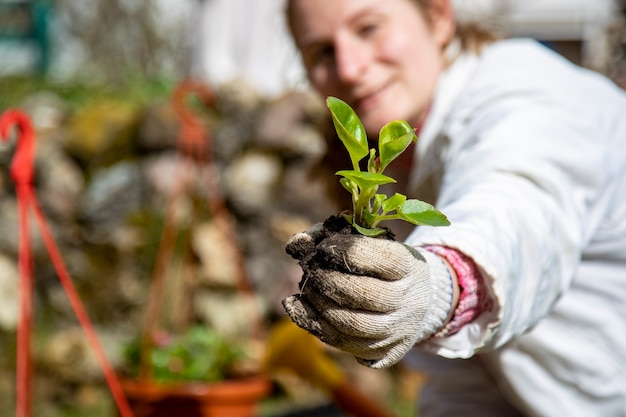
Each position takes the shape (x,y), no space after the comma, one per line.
(60,182)
(287,125)
(283,225)
(217,257)
(70,346)
(9,295)
(5,182)
(252,182)
(102,132)
(159,127)
(132,288)
(68,354)
(275,277)
(231,314)
(169,174)
(305,194)
(9,224)
(47,111)
(111,196)
(237,97)
(239,107)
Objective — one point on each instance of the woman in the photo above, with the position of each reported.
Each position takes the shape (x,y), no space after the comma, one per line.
(517,307)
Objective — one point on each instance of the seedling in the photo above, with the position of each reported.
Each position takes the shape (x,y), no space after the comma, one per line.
(369,207)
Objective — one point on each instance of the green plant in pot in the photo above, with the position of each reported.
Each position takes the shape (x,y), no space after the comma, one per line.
(193,370)
(200,354)
(196,373)
(181,366)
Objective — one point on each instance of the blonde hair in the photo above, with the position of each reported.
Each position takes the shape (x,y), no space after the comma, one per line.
(471,33)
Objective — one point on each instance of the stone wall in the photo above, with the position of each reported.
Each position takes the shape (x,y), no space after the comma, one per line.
(106,175)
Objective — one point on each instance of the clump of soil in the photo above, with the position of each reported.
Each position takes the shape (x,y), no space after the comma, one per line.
(320,237)
(338,224)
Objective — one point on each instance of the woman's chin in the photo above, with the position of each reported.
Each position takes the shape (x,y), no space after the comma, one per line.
(376,117)
(376,121)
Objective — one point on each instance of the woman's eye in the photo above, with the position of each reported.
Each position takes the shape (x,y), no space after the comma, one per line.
(323,53)
(368,29)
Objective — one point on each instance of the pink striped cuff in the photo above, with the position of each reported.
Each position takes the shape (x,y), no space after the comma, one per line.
(473,298)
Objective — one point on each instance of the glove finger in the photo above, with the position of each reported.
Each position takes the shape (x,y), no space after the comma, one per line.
(350,320)
(360,292)
(308,318)
(302,245)
(390,357)
(367,349)
(303,314)
(362,255)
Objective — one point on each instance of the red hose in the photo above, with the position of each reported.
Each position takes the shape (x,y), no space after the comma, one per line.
(22,174)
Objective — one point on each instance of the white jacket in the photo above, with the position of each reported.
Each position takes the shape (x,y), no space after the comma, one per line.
(528,154)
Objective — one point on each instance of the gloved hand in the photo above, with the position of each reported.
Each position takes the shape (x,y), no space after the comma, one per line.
(371,297)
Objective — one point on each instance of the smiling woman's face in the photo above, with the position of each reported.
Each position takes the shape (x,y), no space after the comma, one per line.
(381,56)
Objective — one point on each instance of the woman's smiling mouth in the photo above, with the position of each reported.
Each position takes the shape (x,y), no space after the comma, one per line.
(370,100)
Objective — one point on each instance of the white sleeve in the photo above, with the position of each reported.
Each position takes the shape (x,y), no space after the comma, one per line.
(523,197)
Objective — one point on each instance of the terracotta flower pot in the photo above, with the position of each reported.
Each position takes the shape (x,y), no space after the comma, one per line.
(232,398)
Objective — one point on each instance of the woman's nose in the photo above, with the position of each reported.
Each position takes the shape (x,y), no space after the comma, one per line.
(351,60)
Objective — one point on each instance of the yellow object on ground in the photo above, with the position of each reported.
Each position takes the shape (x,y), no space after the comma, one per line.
(291,348)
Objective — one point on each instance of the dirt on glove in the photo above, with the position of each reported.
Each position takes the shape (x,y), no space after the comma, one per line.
(304,249)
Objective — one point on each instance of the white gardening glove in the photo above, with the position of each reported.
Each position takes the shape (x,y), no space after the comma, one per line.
(371,297)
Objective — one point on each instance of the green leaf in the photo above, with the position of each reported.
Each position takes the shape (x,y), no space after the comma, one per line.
(377,231)
(349,129)
(347,184)
(394,202)
(419,212)
(394,138)
(368,219)
(368,207)
(379,199)
(365,180)
(372,161)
